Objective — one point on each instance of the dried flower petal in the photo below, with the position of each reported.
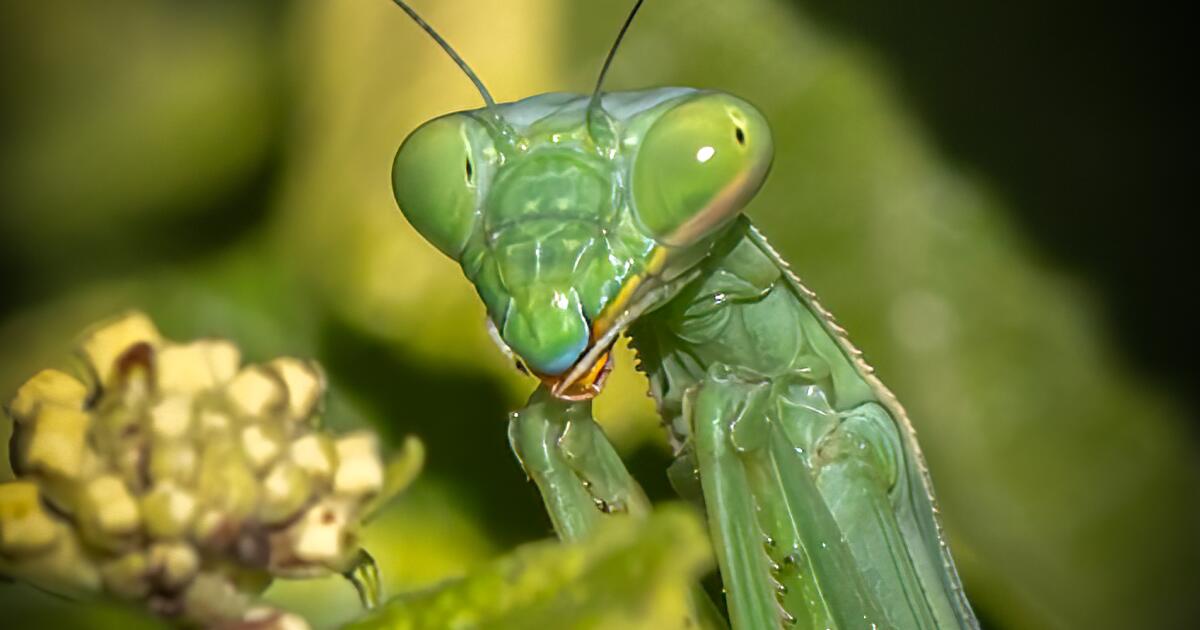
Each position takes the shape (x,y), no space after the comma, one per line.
(256,391)
(56,442)
(108,513)
(168,511)
(24,525)
(304,382)
(359,471)
(106,343)
(47,387)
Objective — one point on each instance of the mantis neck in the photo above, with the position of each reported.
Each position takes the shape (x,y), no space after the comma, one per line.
(743,311)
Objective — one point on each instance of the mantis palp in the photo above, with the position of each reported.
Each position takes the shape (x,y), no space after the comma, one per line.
(579,218)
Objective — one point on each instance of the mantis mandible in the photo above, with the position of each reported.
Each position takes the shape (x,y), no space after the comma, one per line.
(579,218)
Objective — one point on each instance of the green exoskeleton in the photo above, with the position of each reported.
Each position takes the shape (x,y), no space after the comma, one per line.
(579,218)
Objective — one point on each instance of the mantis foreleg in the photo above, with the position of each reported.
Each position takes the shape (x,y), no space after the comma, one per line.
(781,552)
(581,477)
(862,460)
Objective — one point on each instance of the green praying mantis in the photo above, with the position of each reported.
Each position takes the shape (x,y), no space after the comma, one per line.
(580,218)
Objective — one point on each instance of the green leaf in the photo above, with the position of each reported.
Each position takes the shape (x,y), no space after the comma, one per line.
(630,576)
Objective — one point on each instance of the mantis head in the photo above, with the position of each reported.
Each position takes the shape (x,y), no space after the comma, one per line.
(573,214)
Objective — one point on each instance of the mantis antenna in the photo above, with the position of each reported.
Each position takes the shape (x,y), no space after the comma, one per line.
(612,52)
(483,91)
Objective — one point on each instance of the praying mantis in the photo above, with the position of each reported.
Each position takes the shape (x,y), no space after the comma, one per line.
(580,218)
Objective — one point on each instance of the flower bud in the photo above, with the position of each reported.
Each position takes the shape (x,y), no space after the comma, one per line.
(173,475)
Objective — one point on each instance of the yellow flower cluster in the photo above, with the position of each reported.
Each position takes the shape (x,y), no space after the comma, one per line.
(179,477)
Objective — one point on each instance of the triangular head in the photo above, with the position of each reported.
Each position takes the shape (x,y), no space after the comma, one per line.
(573,215)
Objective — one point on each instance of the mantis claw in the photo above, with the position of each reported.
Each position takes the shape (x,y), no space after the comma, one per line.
(761,499)
(581,477)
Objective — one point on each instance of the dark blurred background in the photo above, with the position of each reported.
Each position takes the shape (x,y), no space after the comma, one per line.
(1078,114)
(989,195)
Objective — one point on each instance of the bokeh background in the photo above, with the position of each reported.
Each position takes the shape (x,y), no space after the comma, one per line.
(981,192)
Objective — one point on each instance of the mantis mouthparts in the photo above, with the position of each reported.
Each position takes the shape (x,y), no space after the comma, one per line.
(586,379)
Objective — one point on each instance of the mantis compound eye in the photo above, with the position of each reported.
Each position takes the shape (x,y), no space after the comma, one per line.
(698,166)
(435,179)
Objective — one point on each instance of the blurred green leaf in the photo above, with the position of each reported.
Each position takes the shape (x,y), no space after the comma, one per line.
(27,607)
(630,576)
(425,537)
(129,124)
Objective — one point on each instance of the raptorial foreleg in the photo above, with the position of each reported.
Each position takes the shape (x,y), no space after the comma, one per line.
(870,483)
(581,477)
(579,474)
(781,552)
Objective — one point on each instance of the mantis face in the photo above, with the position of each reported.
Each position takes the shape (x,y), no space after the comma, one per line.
(570,222)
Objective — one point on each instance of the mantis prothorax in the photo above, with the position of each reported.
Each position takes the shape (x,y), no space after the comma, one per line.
(579,218)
